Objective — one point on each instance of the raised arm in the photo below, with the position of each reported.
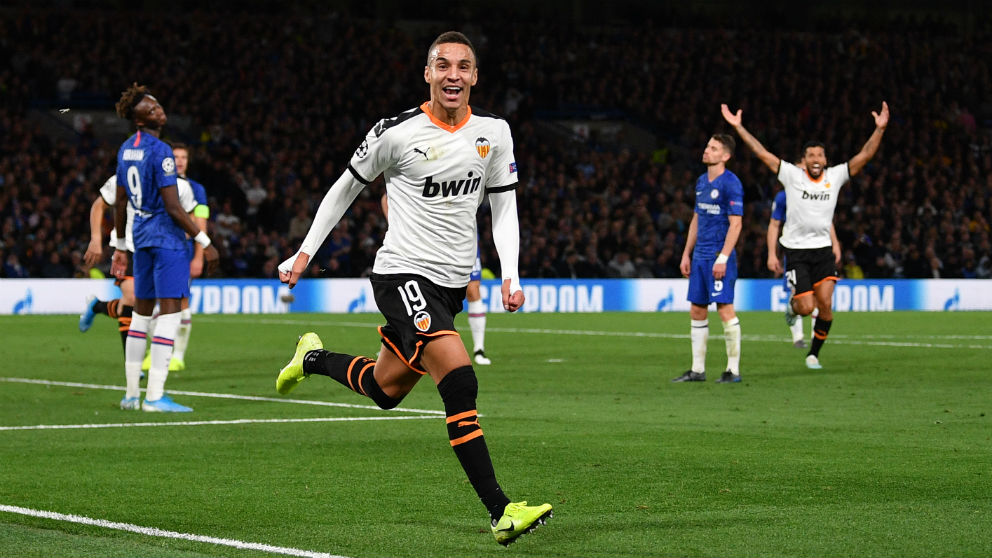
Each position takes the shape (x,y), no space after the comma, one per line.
(859,161)
(734,119)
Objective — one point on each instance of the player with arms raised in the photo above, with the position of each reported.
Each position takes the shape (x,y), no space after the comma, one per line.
(439,160)
(811,198)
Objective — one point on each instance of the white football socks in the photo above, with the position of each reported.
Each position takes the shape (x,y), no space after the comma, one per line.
(732,336)
(134,351)
(797,330)
(699,334)
(477,323)
(162,343)
(182,336)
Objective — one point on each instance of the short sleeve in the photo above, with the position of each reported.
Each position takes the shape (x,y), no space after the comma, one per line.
(502,175)
(778,206)
(839,174)
(186,199)
(788,174)
(735,196)
(164,167)
(109,191)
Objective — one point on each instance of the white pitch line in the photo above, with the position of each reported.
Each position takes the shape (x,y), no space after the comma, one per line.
(156,532)
(207,422)
(225,396)
(834,339)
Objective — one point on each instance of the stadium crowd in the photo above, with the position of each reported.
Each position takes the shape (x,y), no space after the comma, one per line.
(275,111)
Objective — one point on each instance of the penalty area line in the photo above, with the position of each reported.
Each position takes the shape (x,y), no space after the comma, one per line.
(208,422)
(163,533)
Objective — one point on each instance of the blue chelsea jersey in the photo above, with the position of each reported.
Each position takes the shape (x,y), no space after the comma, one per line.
(715,201)
(778,206)
(145,166)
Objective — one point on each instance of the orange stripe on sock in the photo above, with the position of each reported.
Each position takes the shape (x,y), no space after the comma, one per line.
(362,373)
(348,374)
(819,335)
(112,307)
(467,438)
(461,416)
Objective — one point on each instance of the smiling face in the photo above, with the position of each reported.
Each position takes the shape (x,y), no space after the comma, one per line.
(451,73)
(815,160)
(149,114)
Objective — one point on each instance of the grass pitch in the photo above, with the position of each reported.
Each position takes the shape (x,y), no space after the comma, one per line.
(885,452)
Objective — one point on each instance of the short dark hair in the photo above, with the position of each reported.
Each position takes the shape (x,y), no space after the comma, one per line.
(130,98)
(179,145)
(812,143)
(728,142)
(452,37)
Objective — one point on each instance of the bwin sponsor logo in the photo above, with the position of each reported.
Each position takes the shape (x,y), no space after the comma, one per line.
(824,196)
(452,187)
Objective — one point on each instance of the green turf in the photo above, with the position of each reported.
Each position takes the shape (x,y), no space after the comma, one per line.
(885,452)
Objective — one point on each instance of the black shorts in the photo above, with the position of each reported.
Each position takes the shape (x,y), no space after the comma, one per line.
(128,271)
(417,311)
(806,268)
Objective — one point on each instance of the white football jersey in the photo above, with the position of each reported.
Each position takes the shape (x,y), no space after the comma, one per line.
(436,178)
(810,204)
(109,194)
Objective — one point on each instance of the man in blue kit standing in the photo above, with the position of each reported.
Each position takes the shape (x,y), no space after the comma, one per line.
(710,261)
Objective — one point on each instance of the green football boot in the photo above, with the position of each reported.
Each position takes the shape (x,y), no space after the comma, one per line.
(519,518)
(292,374)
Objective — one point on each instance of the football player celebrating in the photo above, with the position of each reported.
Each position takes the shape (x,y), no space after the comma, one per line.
(439,160)
(811,197)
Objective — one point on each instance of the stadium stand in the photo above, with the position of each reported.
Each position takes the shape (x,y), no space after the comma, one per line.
(608,118)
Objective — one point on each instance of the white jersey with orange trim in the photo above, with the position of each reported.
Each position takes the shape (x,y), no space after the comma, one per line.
(810,204)
(109,194)
(436,178)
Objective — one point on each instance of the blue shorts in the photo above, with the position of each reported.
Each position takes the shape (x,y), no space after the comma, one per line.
(703,289)
(161,273)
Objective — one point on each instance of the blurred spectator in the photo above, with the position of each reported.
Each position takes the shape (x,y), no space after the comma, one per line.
(270,127)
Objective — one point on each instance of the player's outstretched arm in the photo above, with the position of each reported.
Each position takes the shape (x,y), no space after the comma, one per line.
(859,161)
(337,200)
(736,120)
(506,236)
